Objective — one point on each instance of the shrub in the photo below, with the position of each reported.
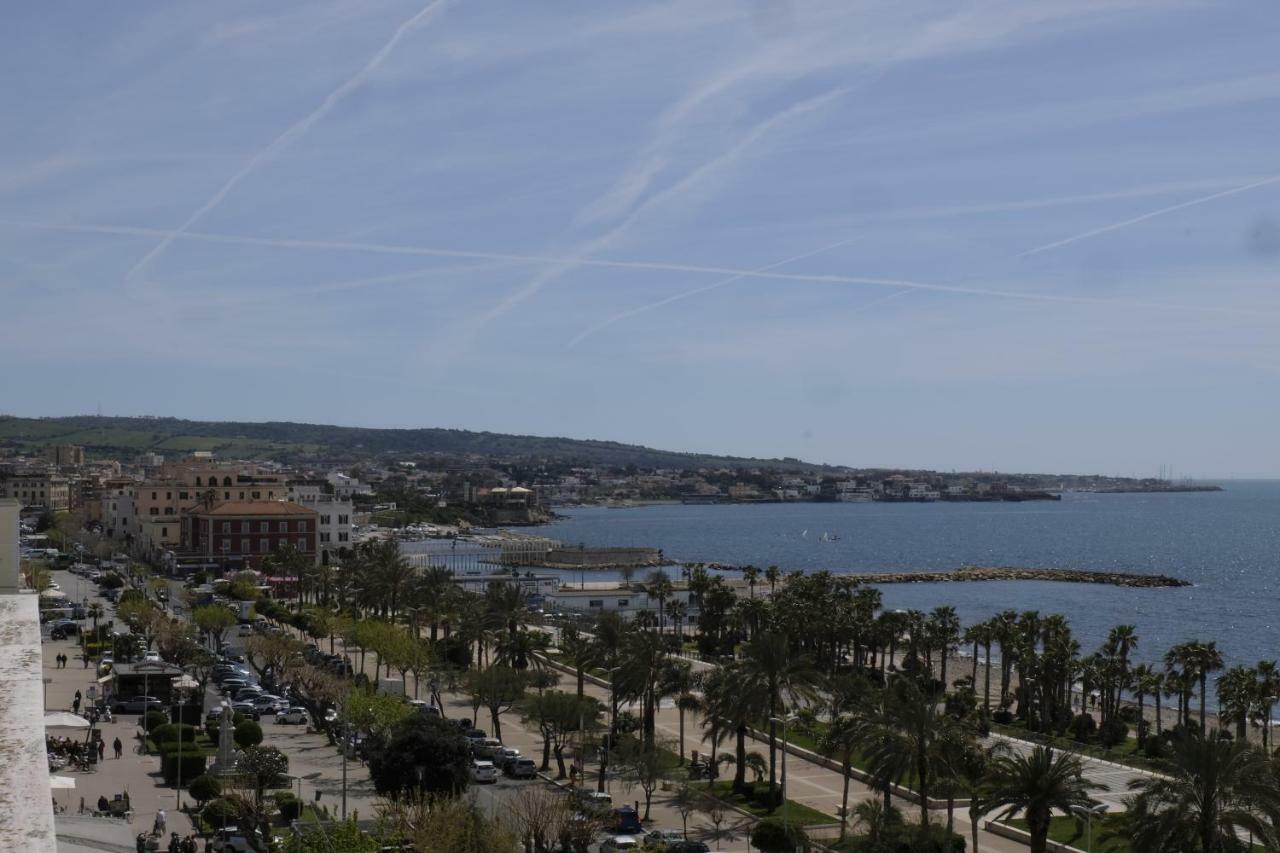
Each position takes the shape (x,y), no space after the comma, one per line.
(773,836)
(169,733)
(1113,732)
(1003,716)
(220,812)
(192,762)
(761,796)
(290,806)
(1155,747)
(204,788)
(153,720)
(248,733)
(1083,727)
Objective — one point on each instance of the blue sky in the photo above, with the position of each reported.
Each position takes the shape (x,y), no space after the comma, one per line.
(1015,235)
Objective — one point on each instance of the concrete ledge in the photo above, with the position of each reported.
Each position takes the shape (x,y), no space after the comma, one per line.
(1005,831)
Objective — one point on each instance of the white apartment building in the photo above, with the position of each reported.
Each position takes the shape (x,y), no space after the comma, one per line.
(334,524)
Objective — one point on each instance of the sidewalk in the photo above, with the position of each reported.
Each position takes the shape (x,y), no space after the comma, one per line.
(139,775)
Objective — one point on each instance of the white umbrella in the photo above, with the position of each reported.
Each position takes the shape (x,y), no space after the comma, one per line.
(53,593)
(185,682)
(62,783)
(64,720)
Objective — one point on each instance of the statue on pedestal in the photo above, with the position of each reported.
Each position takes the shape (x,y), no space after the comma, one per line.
(225,762)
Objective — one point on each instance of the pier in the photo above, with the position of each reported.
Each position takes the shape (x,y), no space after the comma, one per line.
(971,574)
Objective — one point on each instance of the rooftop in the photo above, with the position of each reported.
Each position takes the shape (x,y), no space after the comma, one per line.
(257,508)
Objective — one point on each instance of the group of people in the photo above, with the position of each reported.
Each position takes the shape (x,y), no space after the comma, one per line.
(79,754)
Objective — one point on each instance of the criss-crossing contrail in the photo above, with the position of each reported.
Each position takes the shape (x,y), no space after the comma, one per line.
(290,135)
(1116,226)
(600,263)
(649,306)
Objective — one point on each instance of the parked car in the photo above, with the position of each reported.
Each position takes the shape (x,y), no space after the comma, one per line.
(268,704)
(502,757)
(660,837)
(245,708)
(293,716)
(624,820)
(619,842)
(522,768)
(231,685)
(483,771)
(688,847)
(152,656)
(475,735)
(231,839)
(137,705)
(587,796)
(486,747)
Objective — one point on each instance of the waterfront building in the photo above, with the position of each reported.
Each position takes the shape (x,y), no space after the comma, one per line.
(239,534)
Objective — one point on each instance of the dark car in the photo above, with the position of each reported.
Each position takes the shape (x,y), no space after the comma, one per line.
(624,821)
(688,847)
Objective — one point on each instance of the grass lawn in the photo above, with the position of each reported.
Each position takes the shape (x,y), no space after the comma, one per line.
(1064,830)
(1126,753)
(797,813)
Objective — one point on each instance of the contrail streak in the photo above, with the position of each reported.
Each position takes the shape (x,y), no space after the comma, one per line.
(1116,226)
(291,134)
(626,315)
(653,266)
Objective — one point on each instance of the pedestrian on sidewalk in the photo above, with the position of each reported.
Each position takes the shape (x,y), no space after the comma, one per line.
(157,828)
(75,703)
(85,657)
(118,747)
(102,749)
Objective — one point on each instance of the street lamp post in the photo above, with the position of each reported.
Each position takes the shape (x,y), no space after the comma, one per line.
(1088,815)
(782,721)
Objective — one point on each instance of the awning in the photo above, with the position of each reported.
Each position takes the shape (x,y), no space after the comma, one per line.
(64,720)
(104,679)
(62,783)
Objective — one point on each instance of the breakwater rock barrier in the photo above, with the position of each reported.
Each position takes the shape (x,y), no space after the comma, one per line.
(969,574)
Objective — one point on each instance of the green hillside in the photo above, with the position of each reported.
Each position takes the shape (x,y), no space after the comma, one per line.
(126,437)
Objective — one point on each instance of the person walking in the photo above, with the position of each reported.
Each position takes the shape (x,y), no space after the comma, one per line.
(175,846)
(118,747)
(75,703)
(85,657)
(102,749)
(157,828)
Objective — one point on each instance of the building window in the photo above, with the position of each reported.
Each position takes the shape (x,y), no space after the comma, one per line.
(226,481)
(324,537)
(168,510)
(226,546)
(245,546)
(302,544)
(264,527)
(168,496)
(153,495)
(624,602)
(264,545)
(226,527)
(155,510)
(344,519)
(257,495)
(596,602)
(164,532)
(342,537)
(284,527)
(226,496)
(242,496)
(324,519)
(182,496)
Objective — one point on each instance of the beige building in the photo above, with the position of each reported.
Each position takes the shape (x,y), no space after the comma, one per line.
(64,455)
(50,491)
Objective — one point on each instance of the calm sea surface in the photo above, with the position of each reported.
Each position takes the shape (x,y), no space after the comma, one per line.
(1226,543)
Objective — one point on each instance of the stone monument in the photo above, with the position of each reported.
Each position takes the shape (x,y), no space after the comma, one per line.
(225,762)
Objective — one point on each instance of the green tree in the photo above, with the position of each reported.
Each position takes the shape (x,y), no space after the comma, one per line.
(558,715)
(774,836)
(215,620)
(204,788)
(1216,790)
(265,767)
(343,835)
(423,754)
(498,689)
(777,678)
(1036,784)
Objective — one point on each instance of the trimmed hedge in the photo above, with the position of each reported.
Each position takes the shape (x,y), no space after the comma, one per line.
(192,761)
(220,812)
(153,720)
(169,733)
(289,805)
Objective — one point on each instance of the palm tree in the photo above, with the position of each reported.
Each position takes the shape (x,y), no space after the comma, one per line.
(1036,783)
(777,679)
(1268,692)
(95,612)
(944,630)
(580,651)
(846,736)
(677,680)
(1145,684)
(1237,690)
(1218,789)
(904,735)
(968,770)
(772,575)
(752,576)
(1206,658)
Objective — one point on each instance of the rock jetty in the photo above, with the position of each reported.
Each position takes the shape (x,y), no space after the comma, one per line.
(966,574)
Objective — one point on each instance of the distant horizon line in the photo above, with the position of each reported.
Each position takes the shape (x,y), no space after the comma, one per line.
(1198,478)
